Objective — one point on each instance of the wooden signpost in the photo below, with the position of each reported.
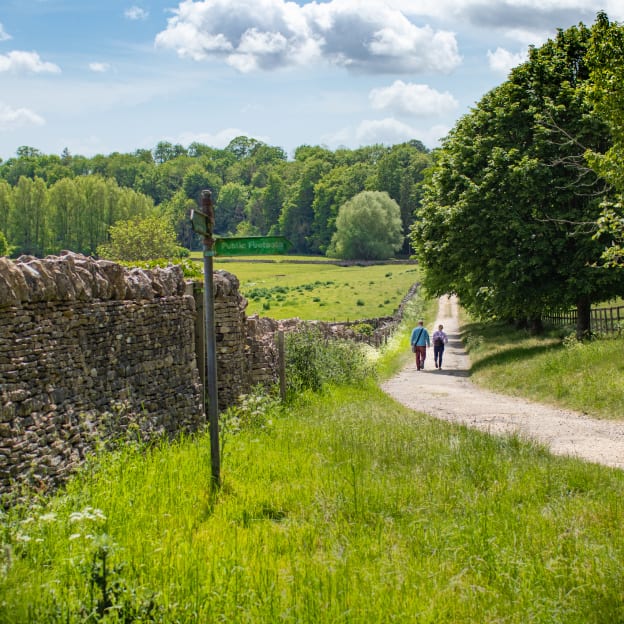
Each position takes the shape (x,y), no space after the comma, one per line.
(202,221)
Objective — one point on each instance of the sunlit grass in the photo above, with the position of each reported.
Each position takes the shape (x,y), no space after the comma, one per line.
(587,377)
(325,291)
(349,509)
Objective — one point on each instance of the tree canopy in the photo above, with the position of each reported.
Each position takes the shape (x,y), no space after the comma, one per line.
(510,207)
(606,92)
(368,227)
(254,186)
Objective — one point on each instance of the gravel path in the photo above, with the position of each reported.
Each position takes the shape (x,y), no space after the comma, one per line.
(448,394)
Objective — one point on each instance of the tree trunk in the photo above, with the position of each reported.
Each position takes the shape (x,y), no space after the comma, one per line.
(535,325)
(583,319)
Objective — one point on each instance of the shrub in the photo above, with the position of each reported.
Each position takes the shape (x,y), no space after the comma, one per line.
(141,239)
(363,328)
(313,361)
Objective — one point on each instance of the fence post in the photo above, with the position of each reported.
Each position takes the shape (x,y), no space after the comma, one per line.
(281,363)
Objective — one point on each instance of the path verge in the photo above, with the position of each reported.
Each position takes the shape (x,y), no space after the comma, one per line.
(448,394)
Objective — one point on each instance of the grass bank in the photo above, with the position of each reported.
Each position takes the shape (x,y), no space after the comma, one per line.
(347,508)
(586,377)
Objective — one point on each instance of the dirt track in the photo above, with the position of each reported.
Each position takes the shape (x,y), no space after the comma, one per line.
(448,394)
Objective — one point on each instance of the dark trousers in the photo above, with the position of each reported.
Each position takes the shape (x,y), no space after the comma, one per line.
(437,354)
(421,354)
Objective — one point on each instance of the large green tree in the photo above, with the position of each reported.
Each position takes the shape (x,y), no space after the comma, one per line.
(336,187)
(400,172)
(6,200)
(368,227)
(297,214)
(230,207)
(606,91)
(507,214)
(28,223)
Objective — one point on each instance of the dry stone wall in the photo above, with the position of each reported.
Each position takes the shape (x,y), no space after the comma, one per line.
(232,350)
(88,351)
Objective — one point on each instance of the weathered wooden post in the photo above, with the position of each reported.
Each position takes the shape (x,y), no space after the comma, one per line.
(281,354)
(203,223)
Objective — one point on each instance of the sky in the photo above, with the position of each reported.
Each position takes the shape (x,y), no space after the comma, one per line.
(104,76)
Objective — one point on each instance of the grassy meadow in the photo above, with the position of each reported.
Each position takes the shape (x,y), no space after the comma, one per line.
(338,507)
(321,291)
(344,507)
(555,368)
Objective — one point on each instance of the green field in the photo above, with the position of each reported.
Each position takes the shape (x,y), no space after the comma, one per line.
(322,291)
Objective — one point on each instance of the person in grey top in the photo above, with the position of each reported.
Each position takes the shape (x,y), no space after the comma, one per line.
(439,340)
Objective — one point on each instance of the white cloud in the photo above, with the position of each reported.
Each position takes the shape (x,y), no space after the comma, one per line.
(412,99)
(18,61)
(614,9)
(365,36)
(4,36)
(527,37)
(136,13)
(502,61)
(529,21)
(99,68)
(11,118)
(388,131)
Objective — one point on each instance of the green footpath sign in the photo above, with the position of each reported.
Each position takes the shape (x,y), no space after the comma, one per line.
(251,245)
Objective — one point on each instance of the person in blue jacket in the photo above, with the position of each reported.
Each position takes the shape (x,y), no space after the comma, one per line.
(420,342)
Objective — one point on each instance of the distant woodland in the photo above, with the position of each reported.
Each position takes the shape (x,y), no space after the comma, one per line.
(54,202)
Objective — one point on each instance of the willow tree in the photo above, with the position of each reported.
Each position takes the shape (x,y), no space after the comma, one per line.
(368,227)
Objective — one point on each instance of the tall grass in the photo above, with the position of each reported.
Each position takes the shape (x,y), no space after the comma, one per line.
(348,508)
(340,507)
(554,368)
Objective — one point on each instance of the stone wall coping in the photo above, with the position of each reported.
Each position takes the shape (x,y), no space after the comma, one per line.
(75,277)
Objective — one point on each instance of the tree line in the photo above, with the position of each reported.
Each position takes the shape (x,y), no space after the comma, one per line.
(50,202)
(522,210)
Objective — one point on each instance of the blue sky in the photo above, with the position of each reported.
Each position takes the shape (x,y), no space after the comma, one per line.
(99,76)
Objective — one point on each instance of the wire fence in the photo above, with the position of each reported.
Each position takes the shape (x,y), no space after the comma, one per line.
(603,320)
